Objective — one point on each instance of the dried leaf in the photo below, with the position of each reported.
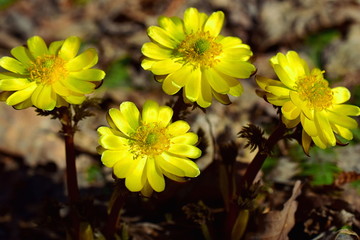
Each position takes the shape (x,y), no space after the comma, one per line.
(276,225)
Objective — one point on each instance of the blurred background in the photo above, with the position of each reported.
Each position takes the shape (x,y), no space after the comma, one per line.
(32,193)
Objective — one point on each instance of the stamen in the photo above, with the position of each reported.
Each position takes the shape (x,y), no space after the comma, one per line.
(149,140)
(315,90)
(47,69)
(199,49)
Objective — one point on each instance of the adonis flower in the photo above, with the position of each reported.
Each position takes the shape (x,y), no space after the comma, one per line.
(305,96)
(48,77)
(191,54)
(142,148)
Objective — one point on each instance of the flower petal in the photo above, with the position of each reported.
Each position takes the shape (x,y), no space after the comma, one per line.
(37,46)
(110,157)
(189,167)
(168,87)
(174,26)
(113,142)
(285,78)
(85,60)
(70,48)
(238,69)
(44,97)
(222,98)
(21,95)
(154,51)
(342,131)
(120,121)
(165,116)
(165,67)
(185,150)
(290,111)
(237,90)
(22,54)
(191,20)
(123,165)
(88,75)
(326,134)
(169,166)
(150,111)
(215,80)
(346,109)
(178,128)
(136,177)
(131,113)
(13,84)
(55,47)
(309,126)
(162,37)
(193,85)
(189,138)
(77,85)
(205,95)
(214,23)
(180,77)
(154,175)
(13,65)
(340,94)
(342,120)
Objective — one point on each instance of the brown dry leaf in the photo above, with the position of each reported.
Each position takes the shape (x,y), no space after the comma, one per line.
(276,225)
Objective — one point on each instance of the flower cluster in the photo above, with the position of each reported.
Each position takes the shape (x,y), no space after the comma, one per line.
(48,77)
(305,97)
(191,54)
(142,148)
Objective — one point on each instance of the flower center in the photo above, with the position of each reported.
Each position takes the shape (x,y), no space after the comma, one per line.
(315,90)
(199,49)
(47,69)
(149,140)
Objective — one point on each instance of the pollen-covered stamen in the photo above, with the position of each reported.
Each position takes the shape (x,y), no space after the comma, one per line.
(149,140)
(199,49)
(47,69)
(315,90)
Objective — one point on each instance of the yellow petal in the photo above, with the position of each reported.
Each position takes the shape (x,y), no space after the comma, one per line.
(147,63)
(342,131)
(136,177)
(174,26)
(290,111)
(340,94)
(88,75)
(236,90)
(168,86)
(306,142)
(122,166)
(150,111)
(13,84)
(22,54)
(110,157)
(55,47)
(214,23)
(193,85)
(222,98)
(342,120)
(284,76)
(185,150)
(131,113)
(346,109)
(180,77)
(165,67)
(189,167)
(178,128)
(120,121)
(37,46)
(70,48)
(169,166)
(162,37)
(77,85)
(44,97)
(113,142)
(154,175)
(21,95)
(236,54)
(13,65)
(326,134)
(215,80)
(165,115)
(189,138)
(205,95)
(309,126)
(237,69)
(191,20)
(154,51)
(232,42)
(85,60)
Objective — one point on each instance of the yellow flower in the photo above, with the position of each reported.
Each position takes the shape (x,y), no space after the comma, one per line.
(48,77)
(142,148)
(305,96)
(191,54)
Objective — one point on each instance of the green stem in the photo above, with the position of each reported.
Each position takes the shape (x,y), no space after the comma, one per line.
(71,174)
